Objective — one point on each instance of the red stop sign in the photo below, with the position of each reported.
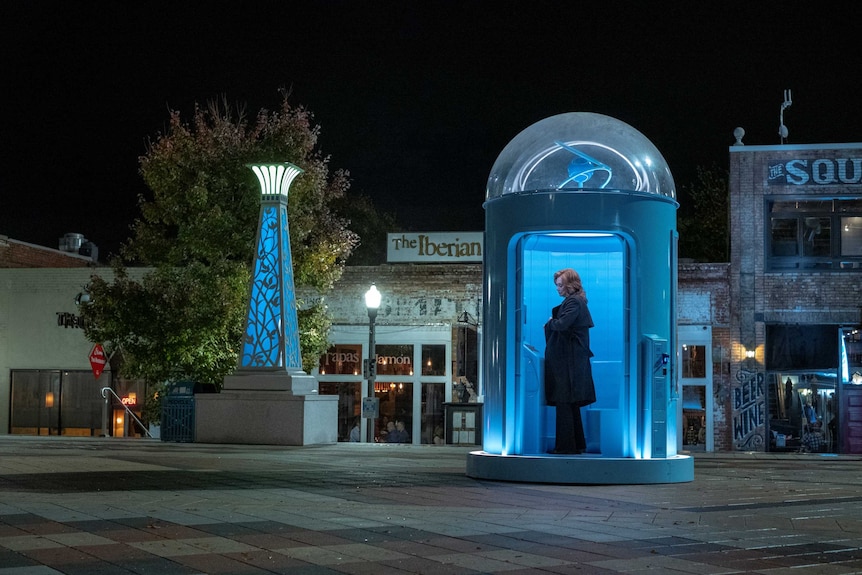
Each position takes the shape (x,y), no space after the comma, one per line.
(97,360)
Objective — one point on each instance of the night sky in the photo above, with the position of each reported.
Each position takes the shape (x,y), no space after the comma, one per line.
(414,98)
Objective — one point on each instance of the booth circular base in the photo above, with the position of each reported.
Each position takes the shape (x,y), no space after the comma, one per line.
(579,469)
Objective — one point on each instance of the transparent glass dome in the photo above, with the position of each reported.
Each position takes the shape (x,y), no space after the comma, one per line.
(580,151)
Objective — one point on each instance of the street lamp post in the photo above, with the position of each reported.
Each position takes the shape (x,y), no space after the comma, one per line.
(372,302)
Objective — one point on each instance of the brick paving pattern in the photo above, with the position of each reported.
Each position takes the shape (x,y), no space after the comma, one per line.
(94,506)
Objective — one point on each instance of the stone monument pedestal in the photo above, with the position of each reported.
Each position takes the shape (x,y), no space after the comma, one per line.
(267,408)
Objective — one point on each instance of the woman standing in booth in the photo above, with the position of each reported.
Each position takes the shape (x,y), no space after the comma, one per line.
(568,372)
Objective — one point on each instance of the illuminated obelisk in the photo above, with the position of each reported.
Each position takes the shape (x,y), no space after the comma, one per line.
(271,335)
(269,399)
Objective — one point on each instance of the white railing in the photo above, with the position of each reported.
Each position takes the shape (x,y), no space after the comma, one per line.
(106,393)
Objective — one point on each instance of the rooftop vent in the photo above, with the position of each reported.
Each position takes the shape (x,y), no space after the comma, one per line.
(72,243)
(78,244)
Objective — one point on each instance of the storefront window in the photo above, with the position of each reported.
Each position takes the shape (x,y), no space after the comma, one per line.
(851,236)
(394,360)
(132,396)
(803,406)
(803,411)
(433,419)
(349,404)
(801,234)
(818,237)
(784,237)
(342,360)
(35,402)
(53,402)
(396,404)
(693,361)
(694,415)
(433,360)
(848,205)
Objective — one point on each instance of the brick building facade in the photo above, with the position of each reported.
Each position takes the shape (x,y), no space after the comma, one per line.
(704,300)
(795,282)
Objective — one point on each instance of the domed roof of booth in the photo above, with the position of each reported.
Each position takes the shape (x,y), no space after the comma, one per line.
(580,151)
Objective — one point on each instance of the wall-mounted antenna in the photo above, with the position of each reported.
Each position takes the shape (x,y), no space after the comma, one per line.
(782,129)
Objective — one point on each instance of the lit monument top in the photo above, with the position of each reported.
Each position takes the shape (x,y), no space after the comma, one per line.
(580,151)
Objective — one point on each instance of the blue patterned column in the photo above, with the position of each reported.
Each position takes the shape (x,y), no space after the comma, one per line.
(271,335)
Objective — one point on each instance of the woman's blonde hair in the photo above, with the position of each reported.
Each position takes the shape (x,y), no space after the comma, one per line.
(571,282)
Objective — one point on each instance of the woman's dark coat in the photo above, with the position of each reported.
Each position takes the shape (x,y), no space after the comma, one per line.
(568,373)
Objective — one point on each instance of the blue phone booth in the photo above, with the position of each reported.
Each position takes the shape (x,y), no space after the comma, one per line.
(589,192)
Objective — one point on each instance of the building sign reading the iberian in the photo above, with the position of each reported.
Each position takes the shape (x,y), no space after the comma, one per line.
(823,171)
(434,247)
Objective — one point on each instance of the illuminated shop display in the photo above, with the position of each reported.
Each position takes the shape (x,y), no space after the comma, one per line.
(589,192)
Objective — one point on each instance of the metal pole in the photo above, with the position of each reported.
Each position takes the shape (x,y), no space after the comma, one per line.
(372,371)
(105,413)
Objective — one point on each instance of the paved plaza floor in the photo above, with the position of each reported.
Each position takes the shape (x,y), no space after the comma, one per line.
(94,506)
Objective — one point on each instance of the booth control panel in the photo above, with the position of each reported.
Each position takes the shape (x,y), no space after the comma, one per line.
(657,388)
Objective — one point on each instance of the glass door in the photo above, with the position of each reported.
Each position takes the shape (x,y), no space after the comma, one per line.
(847,420)
(695,383)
